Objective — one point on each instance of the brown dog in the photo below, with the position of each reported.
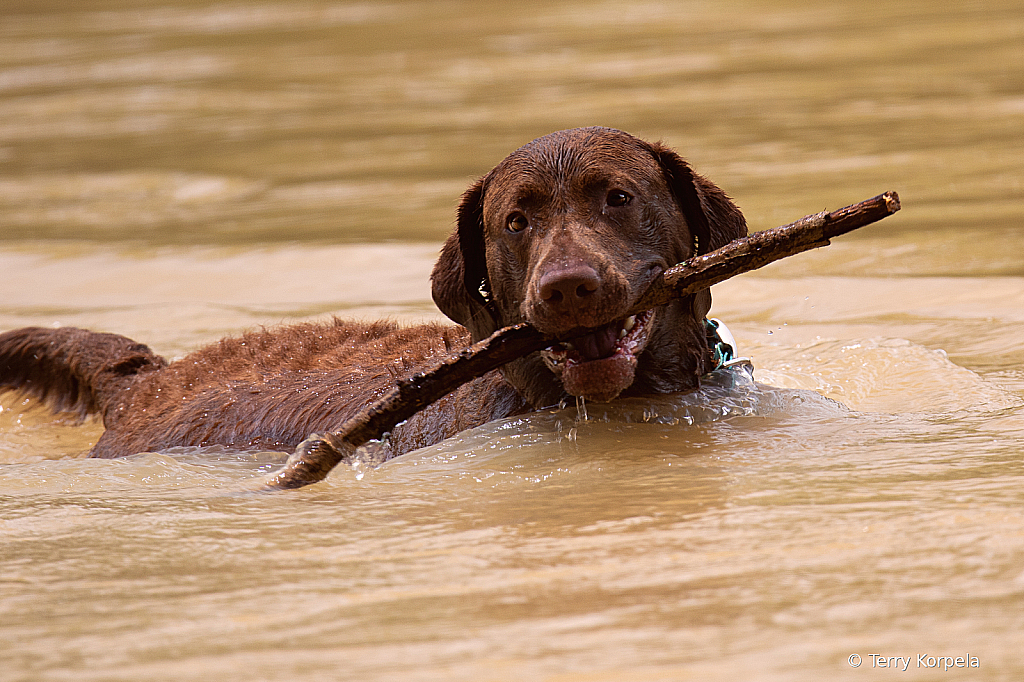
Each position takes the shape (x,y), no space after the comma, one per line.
(566,232)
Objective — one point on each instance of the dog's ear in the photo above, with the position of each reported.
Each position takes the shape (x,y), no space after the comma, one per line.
(459,283)
(711,216)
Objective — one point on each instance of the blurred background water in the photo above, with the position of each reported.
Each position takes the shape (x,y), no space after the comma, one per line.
(179,170)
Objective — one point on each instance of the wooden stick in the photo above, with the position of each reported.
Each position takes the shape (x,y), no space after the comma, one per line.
(314,458)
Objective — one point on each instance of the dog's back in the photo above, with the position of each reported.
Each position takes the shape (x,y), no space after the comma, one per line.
(268,389)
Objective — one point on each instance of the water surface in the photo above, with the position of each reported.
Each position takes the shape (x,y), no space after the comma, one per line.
(178,171)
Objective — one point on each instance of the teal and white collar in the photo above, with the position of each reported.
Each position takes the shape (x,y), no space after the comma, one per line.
(722,345)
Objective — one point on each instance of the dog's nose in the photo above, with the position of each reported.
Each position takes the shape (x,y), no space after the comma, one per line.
(565,289)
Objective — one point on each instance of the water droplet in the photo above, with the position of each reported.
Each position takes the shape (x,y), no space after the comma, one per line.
(581,409)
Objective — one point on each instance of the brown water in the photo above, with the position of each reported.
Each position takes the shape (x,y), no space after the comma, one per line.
(177,171)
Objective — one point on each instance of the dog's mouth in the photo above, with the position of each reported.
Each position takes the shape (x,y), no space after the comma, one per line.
(601,364)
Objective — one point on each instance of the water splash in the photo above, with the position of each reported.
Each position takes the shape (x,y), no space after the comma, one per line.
(370,455)
(888,375)
(581,409)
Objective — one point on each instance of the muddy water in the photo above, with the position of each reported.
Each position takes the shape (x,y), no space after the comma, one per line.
(177,171)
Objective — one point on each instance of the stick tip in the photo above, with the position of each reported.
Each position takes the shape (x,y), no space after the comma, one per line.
(892,202)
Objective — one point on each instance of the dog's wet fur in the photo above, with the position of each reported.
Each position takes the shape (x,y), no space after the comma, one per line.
(567,232)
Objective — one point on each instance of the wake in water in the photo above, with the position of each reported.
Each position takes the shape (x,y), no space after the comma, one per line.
(729,392)
(724,395)
(806,395)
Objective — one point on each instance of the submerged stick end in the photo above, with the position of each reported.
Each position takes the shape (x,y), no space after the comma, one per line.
(312,460)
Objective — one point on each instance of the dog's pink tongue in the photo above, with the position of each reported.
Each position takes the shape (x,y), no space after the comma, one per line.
(598,344)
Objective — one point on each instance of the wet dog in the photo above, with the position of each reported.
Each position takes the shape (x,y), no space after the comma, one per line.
(566,232)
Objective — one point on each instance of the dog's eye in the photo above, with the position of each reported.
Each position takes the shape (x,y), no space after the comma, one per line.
(517,222)
(618,198)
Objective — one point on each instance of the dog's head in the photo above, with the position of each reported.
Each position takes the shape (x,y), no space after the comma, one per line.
(568,232)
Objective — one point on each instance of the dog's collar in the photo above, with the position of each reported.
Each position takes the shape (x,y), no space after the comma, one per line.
(721,345)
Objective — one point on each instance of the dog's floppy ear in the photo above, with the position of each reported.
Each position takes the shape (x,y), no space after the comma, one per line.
(711,216)
(459,283)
